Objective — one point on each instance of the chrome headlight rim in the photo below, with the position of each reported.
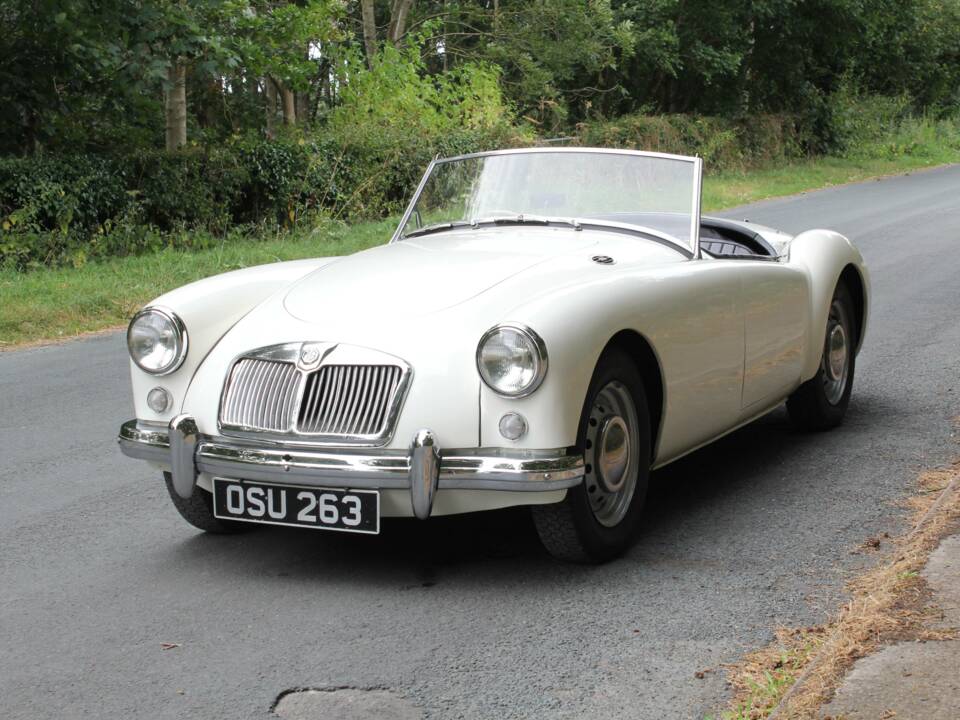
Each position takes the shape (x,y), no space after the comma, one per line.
(541,353)
(180,330)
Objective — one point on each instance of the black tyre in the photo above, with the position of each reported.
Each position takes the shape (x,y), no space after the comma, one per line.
(598,519)
(821,402)
(198,511)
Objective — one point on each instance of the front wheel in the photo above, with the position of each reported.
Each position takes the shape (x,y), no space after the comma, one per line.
(598,518)
(821,402)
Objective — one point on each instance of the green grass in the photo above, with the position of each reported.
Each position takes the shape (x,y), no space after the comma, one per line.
(50,304)
(726,191)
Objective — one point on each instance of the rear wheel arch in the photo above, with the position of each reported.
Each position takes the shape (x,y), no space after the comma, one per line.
(850,276)
(641,351)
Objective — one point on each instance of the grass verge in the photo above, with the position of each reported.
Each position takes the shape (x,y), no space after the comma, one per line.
(795,675)
(53,304)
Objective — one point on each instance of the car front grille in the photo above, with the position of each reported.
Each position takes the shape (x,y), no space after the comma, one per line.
(351,400)
(262,395)
(350,403)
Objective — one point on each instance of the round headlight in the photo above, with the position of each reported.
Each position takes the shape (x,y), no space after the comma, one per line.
(512,360)
(157,341)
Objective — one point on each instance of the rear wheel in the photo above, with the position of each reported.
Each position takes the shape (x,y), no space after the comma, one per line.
(198,511)
(821,402)
(598,519)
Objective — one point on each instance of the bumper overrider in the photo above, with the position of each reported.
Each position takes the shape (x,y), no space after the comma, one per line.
(422,469)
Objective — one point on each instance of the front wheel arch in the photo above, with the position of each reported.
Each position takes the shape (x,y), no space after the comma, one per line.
(641,351)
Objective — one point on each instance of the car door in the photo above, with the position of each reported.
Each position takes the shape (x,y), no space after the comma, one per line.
(774,301)
(700,342)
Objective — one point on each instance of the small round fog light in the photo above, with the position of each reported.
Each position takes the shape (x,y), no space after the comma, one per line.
(158,400)
(513,426)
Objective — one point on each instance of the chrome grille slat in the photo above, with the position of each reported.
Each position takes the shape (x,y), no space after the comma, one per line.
(348,400)
(261,395)
(363,398)
(353,403)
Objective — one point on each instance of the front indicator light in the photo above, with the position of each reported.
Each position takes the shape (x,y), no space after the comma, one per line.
(159,400)
(513,426)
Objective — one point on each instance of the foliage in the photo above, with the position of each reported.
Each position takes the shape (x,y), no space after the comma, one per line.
(58,302)
(72,208)
(725,145)
(85,94)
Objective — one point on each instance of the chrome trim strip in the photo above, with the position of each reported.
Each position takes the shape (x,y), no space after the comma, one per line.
(413,201)
(572,149)
(697,161)
(695,217)
(460,469)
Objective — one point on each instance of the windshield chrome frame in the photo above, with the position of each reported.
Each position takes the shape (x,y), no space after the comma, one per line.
(697,163)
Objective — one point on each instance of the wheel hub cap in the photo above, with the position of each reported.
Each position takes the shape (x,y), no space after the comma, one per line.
(611,454)
(837,352)
(614,453)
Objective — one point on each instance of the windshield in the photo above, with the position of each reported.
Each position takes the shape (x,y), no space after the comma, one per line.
(643,190)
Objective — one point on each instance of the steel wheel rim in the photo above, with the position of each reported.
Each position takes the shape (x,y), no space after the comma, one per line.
(836,354)
(610,454)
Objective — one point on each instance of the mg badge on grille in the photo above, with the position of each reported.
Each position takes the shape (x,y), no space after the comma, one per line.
(312,353)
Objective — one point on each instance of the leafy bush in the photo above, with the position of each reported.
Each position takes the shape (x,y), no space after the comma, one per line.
(70,209)
(723,144)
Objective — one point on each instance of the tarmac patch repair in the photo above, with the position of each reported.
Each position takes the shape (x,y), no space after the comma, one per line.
(344,704)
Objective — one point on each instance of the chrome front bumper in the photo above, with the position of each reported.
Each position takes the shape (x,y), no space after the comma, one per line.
(422,469)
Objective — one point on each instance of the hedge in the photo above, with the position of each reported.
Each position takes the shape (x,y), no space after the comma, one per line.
(68,209)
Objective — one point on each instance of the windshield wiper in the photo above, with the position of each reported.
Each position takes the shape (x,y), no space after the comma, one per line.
(524,219)
(437,227)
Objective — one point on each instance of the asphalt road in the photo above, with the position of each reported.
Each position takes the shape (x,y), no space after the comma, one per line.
(468,617)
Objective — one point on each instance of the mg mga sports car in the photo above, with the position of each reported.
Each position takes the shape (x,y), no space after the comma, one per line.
(545,327)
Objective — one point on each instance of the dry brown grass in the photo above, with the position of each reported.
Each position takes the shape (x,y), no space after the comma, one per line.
(801,669)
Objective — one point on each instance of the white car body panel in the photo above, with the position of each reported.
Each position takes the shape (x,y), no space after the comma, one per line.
(732,337)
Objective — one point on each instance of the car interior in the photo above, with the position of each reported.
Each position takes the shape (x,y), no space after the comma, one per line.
(724,239)
(719,238)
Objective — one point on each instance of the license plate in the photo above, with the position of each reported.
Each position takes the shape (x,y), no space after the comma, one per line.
(297,506)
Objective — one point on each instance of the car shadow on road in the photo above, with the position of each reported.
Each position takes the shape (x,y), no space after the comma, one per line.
(498,545)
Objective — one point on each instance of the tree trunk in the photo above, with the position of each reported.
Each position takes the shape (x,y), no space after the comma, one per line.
(304,101)
(399,11)
(175,105)
(289,106)
(369,31)
(270,90)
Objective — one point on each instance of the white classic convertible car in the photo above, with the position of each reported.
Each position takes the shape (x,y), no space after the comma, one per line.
(545,328)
